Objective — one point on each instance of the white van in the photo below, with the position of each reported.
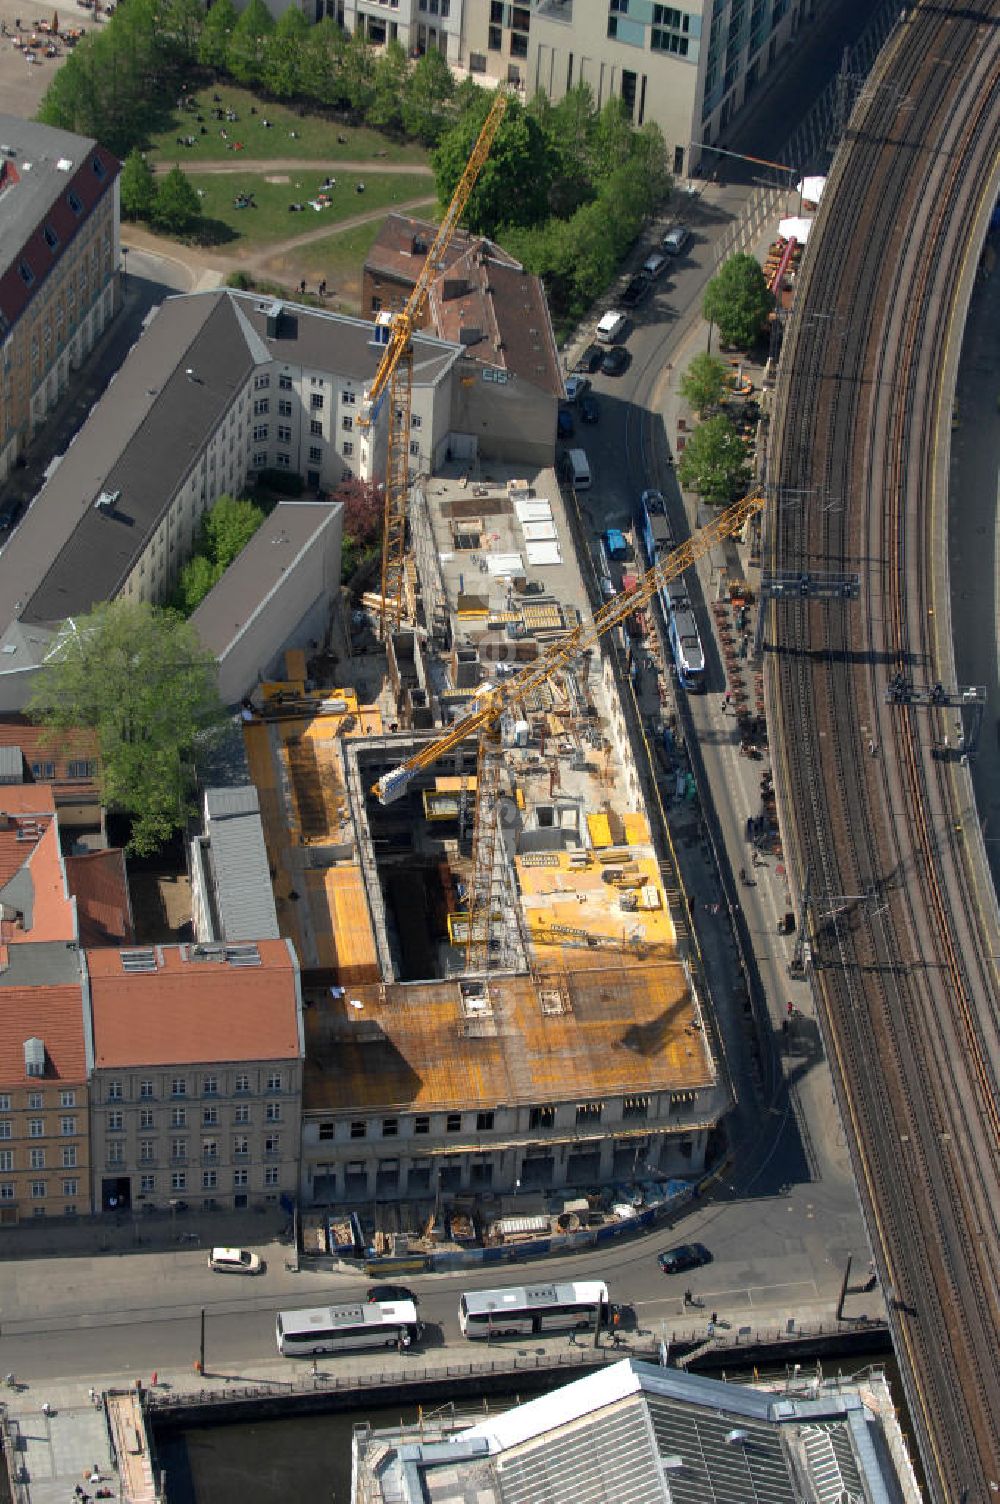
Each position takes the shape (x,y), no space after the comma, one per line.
(576,469)
(611,327)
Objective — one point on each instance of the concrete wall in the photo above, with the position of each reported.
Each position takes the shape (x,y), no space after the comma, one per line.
(511,421)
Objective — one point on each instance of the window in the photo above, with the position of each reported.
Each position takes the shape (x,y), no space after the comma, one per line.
(27,275)
(348,448)
(98,167)
(115,1092)
(390,1127)
(261,381)
(74,203)
(210,1086)
(6,1159)
(284,408)
(242,1112)
(178,1148)
(145,1117)
(71,1188)
(82,767)
(283,460)
(178,1117)
(349,398)
(242,1082)
(272,1143)
(284,434)
(588,1112)
(484,1122)
(147,1184)
(36,1159)
(116,1122)
(261,407)
(494,38)
(178,1180)
(35,1101)
(285,382)
(147,1150)
(6,1191)
(541,1117)
(327,1132)
(414,447)
(116,1152)
(145,1088)
(178,1087)
(259,459)
(241,1144)
(635,1108)
(51,238)
(347,423)
(270,1174)
(316,454)
(4,1127)
(36,1127)
(416,421)
(422,1124)
(4,1103)
(453,1122)
(67,1127)
(241,1177)
(316,401)
(38,1190)
(260,434)
(69,1157)
(274,1081)
(209,1179)
(209,1117)
(316,427)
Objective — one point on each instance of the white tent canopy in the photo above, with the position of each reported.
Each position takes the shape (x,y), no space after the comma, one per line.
(795,229)
(811,189)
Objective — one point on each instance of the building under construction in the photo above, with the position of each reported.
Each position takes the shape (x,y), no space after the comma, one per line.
(546,1032)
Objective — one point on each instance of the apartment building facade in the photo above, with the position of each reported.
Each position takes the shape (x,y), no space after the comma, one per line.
(196,1091)
(59,223)
(419,26)
(689,67)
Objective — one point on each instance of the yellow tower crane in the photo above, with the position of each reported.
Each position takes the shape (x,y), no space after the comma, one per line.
(395,378)
(496,700)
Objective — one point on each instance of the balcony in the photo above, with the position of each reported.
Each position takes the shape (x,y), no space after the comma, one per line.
(554,10)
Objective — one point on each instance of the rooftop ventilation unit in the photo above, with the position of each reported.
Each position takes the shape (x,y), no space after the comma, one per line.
(138,960)
(243,955)
(107,501)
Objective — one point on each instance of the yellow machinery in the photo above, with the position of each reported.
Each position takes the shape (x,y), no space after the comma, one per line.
(395,377)
(496,700)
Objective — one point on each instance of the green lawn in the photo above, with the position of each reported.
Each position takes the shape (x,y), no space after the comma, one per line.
(340,257)
(317,139)
(271,220)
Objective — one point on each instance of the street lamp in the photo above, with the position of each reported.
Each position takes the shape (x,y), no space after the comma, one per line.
(124,262)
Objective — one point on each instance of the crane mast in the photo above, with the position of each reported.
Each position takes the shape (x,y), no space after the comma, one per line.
(495,699)
(395,378)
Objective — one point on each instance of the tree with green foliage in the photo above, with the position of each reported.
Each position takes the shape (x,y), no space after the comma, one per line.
(513,185)
(705,382)
(390,80)
(248,43)
(137,186)
(427,101)
(177,206)
(283,54)
(320,64)
(196,579)
(737,301)
(357,74)
(568,127)
(216,34)
(140,678)
(226,529)
(611,138)
(714,462)
(182,23)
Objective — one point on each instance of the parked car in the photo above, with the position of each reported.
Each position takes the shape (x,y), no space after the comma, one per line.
(390,1293)
(684,1256)
(653,266)
(234,1261)
(611,327)
(587,407)
(676,239)
(577,384)
(565,427)
(616,361)
(635,291)
(590,360)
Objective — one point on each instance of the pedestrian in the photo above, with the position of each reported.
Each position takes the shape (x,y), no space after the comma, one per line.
(46,1408)
(93,1395)
(154,1379)
(714,1318)
(687,1297)
(727,698)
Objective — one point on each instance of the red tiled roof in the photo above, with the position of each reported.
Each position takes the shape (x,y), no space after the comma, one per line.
(192,1012)
(42,745)
(52,1014)
(89,188)
(98,883)
(507,307)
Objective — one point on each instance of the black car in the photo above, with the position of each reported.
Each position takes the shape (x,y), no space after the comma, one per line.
(590,360)
(390,1293)
(615,361)
(587,407)
(635,291)
(564,423)
(686,1256)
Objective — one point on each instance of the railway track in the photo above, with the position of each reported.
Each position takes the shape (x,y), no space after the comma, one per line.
(903,925)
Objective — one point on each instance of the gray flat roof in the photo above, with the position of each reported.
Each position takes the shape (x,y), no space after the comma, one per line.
(238,858)
(244,589)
